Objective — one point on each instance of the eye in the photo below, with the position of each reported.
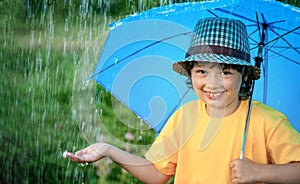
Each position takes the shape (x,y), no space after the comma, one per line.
(201,71)
(226,72)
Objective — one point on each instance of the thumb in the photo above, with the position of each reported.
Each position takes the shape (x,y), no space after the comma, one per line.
(233,163)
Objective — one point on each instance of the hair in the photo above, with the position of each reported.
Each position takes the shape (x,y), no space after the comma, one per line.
(245,89)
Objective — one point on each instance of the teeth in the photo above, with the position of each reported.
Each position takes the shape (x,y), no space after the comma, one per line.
(213,94)
(216,94)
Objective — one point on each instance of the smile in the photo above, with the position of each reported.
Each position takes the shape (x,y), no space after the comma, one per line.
(213,95)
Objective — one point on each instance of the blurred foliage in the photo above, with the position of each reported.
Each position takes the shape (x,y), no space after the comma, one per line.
(40,49)
(35,118)
(292,2)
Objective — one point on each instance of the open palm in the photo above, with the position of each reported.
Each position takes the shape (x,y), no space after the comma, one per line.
(89,154)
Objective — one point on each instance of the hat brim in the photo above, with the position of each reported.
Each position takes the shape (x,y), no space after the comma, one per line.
(213,58)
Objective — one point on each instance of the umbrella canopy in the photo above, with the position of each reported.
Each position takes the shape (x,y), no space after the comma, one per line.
(136,63)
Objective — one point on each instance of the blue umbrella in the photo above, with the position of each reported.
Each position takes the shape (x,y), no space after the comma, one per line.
(135,65)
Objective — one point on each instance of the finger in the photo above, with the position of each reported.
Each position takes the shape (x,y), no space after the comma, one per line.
(72,157)
(233,176)
(233,172)
(75,158)
(233,163)
(69,155)
(81,152)
(234,181)
(86,158)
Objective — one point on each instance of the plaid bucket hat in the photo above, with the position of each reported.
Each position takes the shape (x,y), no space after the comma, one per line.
(217,39)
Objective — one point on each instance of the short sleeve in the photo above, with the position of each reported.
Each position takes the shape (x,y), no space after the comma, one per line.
(284,143)
(163,152)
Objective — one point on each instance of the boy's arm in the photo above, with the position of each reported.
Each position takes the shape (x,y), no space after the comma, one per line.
(246,171)
(139,167)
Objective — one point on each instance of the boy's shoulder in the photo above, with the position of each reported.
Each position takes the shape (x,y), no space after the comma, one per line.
(264,110)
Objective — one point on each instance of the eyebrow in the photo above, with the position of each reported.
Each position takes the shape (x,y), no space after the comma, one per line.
(211,65)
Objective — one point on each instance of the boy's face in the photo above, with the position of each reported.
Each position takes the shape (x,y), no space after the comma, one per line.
(218,88)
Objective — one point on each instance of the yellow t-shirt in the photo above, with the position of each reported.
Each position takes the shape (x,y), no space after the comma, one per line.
(198,149)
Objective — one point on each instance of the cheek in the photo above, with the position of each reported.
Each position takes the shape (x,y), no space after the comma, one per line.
(234,84)
(197,83)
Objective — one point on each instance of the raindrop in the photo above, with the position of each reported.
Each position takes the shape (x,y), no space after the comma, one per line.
(100,113)
(65,154)
(85,84)
(82,125)
(66,25)
(140,138)
(31,41)
(65,46)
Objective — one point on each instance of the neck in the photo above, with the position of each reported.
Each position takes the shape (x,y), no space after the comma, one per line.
(216,112)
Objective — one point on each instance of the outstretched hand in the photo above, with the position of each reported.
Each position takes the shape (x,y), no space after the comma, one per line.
(243,171)
(90,154)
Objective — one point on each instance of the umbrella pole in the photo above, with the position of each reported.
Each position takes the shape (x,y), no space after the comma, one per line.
(266,68)
(258,60)
(247,124)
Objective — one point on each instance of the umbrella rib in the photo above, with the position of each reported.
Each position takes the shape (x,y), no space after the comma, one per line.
(235,14)
(252,33)
(270,23)
(281,36)
(179,101)
(291,31)
(276,22)
(258,26)
(279,28)
(284,47)
(139,50)
(287,42)
(212,13)
(285,57)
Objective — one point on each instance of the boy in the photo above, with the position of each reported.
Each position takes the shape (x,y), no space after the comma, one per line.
(201,141)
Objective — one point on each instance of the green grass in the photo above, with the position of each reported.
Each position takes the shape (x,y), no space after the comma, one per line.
(38,60)
(36,122)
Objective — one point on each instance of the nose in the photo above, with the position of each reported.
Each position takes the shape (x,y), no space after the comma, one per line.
(214,80)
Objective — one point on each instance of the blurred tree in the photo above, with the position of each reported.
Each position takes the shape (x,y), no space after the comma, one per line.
(37,7)
(292,2)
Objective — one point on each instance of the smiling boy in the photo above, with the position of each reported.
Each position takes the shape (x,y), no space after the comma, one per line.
(202,140)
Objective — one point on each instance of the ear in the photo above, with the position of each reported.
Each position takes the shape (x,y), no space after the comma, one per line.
(245,74)
(245,78)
